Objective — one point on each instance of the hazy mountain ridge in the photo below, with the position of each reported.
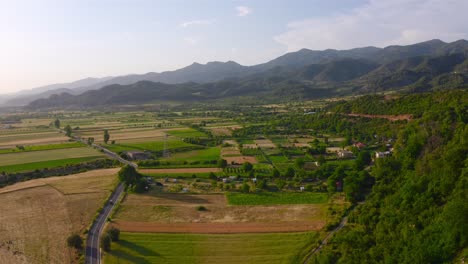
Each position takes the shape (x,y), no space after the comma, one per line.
(424,66)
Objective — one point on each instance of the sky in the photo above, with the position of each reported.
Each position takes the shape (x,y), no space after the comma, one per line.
(54,41)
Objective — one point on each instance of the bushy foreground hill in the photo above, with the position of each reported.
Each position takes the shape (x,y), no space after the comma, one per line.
(418,208)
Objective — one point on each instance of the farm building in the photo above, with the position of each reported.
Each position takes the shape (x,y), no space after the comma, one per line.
(344,154)
(359,145)
(384,154)
(137,155)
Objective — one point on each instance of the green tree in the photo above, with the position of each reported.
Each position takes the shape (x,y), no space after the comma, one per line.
(247,166)
(57,123)
(276,173)
(106,242)
(75,241)
(290,172)
(106,136)
(245,187)
(299,163)
(222,163)
(129,175)
(321,160)
(363,159)
(68,131)
(90,140)
(114,233)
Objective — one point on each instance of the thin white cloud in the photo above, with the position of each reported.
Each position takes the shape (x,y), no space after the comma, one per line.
(243,10)
(196,22)
(192,40)
(381,23)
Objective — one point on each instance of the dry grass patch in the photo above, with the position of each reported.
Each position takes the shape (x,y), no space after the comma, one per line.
(240,160)
(264,143)
(230,151)
(177,213)
(38,216)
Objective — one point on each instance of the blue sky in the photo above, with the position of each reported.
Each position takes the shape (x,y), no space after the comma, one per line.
(53,41)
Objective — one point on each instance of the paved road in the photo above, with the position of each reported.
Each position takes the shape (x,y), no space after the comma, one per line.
(93,253)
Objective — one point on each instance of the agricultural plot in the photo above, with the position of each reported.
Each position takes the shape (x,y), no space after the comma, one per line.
(186,133)
(177,213)
(264,143)
(38,215)
(209,248)
(42,147)
(23,161)
(207,154)
(172,144)
(268,198)
(12,140)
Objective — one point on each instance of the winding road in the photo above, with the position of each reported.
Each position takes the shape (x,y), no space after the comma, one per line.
(93,252)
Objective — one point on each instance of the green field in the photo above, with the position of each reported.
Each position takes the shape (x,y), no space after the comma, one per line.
(268,198)
(186,133)
(43,147)
(45,164)
(210,248)
(278,159)
(151,146)
(196,155)
(46,155)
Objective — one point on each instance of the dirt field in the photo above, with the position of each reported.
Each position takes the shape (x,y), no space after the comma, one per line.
(250,146)
(264,143)
(181,170)
(177,213)
(37,216)
(230,151)
(218,228)
(230,142)
(11,140)
(221,131)
(241,159)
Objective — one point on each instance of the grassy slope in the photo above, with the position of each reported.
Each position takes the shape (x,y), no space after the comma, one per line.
(206,248)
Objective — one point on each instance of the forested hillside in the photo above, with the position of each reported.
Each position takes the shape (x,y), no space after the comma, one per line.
(418,208)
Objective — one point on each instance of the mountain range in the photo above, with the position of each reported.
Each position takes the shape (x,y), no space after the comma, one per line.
(306,73)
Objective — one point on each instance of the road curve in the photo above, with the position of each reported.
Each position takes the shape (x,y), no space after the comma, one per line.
(93,253)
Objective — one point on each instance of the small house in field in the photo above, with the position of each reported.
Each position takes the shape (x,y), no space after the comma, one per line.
(359,145)
(383,154)
(345,154)
(137,155)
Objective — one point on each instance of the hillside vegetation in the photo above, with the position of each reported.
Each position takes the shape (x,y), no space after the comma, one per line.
(417,210)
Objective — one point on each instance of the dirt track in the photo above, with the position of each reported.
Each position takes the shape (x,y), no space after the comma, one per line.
(218,228)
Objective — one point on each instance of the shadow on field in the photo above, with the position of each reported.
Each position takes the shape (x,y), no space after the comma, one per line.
(139,250)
